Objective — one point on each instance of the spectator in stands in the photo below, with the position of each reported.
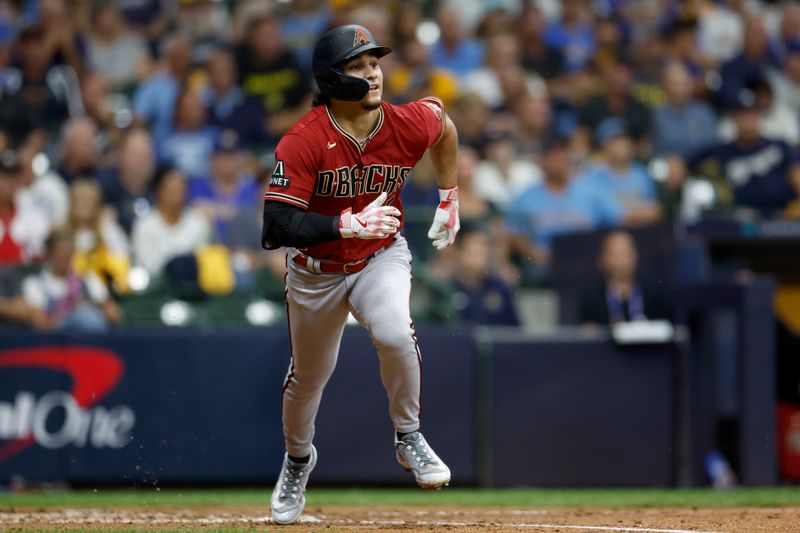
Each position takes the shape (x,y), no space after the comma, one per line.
(778,121)
(79,151)
(228,105)
(503,174)
(471,115)
(188,147)
(270,72)
(101,246)
(49,92)
(681,47)
(455,51)
(473,208)
(622,177)
(120,55)
(480,297)
(63,27)
(616,100)
(573,34)
(14,310)
(101,107)
(171,229)
(621,296)
(148,18)
(129,191)
(62,299)
(536,124)
(206,24)
(305,21)
(537,56)
(788,37)
(611,47)
(751,63)
(228,188)
(45,190)
(560,204)
(414,77)
(23,226)
(720,30)
(757,172)
(503,54)
(786,81)
(683,123)
(155,99)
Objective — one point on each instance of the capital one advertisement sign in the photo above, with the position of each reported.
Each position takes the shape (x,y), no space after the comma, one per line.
(141,407)
(58,418)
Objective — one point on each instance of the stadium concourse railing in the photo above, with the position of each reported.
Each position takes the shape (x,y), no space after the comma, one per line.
(504,408)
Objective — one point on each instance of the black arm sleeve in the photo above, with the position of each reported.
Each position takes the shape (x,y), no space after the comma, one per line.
(286,225)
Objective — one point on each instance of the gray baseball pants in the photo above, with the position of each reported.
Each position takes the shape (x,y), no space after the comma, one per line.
(318,306)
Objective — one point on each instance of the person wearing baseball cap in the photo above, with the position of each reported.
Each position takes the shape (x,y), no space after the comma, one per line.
(620,176)
(751,170)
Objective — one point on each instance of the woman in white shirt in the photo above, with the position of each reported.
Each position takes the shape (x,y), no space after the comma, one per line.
(170,230)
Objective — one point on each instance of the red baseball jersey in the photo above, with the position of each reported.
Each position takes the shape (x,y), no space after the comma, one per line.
(321,168)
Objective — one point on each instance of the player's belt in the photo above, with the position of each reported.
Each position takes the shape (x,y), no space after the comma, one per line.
(323,266)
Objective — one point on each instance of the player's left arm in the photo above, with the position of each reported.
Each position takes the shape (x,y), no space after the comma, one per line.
(444,156)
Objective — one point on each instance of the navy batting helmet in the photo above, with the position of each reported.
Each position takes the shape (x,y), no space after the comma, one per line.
(336,46)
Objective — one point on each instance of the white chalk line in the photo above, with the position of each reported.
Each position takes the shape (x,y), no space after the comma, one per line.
(98,516)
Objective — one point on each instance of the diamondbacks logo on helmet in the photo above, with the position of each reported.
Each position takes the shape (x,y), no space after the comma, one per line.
(360,37)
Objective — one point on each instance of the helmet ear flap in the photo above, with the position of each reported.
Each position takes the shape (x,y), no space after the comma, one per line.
(336,84)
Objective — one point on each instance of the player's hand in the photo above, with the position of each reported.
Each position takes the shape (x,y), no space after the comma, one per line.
(376,221)
(445,222)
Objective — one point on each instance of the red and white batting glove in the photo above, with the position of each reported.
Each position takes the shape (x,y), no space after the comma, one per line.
(445,221)
(376,221)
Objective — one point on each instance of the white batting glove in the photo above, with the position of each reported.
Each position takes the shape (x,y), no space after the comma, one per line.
(445,221)
(376,221)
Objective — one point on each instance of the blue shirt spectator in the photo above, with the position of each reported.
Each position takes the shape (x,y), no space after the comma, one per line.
(576,43)
(628,186)
(561,204)
(455,51)
(680,129)
(541,213)
(226,202)
(462,59)
(620,176)
(155,99)
(188,148)
(683,122)
(301,27)
(228,189)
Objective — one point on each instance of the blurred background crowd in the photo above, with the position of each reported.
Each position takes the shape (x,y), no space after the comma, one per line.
(136,135)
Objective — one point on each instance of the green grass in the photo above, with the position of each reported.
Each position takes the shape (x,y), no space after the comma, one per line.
(447,497)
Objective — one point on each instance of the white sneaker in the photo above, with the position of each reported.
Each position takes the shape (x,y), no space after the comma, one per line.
(289,495)
(414,454)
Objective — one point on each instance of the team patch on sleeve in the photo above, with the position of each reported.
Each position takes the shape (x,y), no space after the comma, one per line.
(278,178)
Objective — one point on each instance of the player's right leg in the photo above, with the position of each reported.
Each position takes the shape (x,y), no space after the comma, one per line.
(317,312)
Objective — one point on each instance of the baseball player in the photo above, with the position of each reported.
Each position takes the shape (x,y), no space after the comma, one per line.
(334,202)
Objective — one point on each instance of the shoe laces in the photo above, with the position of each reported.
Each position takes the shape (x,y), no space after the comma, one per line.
(418,450)
(292,477)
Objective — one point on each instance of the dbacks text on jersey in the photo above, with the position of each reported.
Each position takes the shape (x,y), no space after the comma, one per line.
(345,182)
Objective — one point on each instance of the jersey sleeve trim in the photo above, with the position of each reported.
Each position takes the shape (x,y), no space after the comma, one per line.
(441,106)
(285,198)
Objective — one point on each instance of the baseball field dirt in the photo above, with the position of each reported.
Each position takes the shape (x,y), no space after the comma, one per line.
(410,511)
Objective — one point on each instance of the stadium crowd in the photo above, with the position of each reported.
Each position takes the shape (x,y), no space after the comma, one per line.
(136,135)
